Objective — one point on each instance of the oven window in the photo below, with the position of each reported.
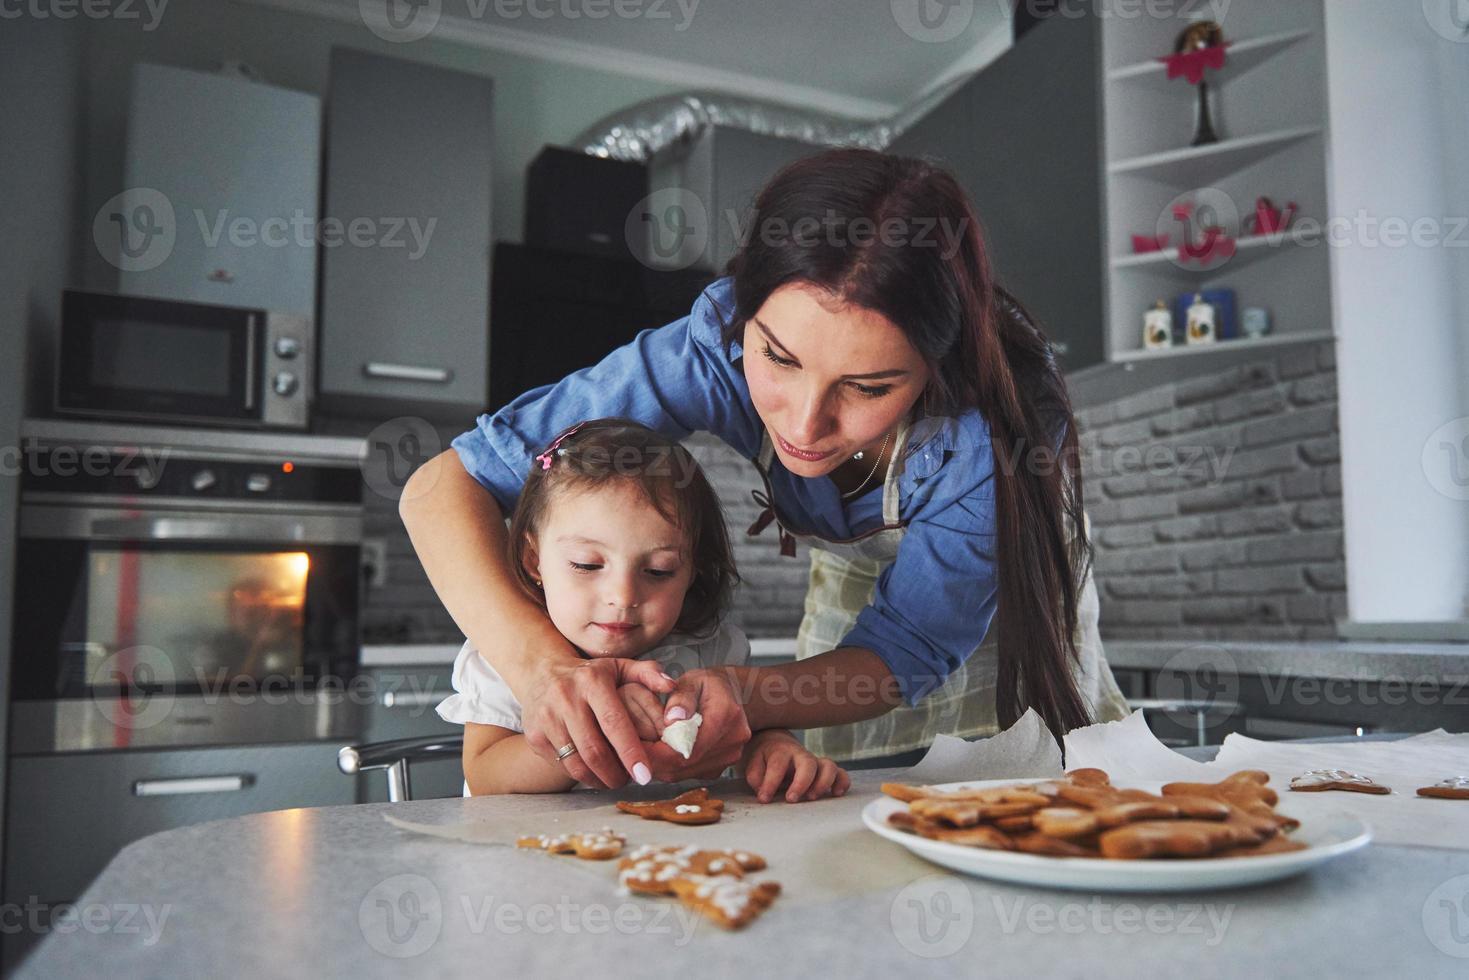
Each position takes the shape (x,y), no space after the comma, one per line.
(125,354)
(215,615)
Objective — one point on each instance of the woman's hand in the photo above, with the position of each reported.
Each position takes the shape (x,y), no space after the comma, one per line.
(579,703)
(645,709)
(723,731)
(775,758)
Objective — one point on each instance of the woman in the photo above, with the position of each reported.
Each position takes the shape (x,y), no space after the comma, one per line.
(905,415)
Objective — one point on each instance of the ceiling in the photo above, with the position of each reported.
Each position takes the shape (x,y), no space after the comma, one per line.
(864,58)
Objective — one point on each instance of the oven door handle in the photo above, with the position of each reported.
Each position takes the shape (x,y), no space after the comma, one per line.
(114,524)
(199,529)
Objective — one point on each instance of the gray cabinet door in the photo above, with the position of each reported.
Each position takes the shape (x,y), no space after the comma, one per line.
(68,815)
(1035,176)
(405,287)
(719,174)
(239,162)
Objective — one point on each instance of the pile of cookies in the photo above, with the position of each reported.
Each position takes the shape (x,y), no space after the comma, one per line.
(710,881)
(1084,815)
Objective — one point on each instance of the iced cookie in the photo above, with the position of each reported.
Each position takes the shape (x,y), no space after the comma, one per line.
(1320,780)
(693,807)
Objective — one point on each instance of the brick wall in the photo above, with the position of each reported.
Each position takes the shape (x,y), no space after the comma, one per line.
(1215,506)
(1216,503)
(767,604)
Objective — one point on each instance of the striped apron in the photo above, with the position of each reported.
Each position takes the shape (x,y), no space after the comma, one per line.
(842,582)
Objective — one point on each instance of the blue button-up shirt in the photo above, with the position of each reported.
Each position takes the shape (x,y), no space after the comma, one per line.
(933,604)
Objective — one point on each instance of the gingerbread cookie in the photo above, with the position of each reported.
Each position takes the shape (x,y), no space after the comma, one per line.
(1176,838)
(597,846)
(1084,815)
(693,807)
(1453,788)
(729,902)
(652,870)
(1321,780)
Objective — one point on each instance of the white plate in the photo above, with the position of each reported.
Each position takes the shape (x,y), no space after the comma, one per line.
(1326,838)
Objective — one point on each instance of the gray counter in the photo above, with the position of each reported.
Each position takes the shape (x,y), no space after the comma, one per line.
(1357,660)
(305,893)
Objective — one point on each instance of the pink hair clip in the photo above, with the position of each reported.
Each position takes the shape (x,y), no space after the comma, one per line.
(545,458)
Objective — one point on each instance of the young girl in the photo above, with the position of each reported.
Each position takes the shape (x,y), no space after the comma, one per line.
(618,535)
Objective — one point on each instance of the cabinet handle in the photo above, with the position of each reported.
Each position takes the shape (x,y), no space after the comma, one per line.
(409,699)
(407,372)
(191,784)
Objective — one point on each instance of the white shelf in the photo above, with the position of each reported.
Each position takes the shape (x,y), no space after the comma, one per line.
(1269,340)
(1195,164)
(1240,57)
(1246,251)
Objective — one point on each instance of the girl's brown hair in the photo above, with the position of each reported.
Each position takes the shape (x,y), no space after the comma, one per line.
(594,454)
(928,272)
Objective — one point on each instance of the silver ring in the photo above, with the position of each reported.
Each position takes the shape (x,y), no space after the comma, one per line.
(568,749)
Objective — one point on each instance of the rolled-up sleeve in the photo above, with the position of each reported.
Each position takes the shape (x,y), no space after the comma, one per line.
(676,379)
(934,603)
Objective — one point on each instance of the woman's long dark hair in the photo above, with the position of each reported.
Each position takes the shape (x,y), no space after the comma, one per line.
(899,236)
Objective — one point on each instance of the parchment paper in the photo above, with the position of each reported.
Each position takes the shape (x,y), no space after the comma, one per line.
(1129,752)
(819,851)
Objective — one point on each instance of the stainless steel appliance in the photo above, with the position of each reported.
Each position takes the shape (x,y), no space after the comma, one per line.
(165,360)
(184,587)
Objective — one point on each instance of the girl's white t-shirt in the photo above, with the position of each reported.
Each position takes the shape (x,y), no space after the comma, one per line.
(482,697)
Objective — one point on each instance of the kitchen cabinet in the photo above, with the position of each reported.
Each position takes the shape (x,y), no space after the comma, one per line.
(69,814)
(405,286)
(239,164)
(1023,137)
(718,176)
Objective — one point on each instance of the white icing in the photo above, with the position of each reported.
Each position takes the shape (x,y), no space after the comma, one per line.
(687,808)
(680,735)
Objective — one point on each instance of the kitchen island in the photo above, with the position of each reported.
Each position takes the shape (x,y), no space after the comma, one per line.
(338,891)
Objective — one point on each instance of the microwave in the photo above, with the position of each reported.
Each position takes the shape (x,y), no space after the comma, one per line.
(163,360)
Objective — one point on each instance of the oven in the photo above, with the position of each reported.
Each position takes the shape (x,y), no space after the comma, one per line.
(184,587)
(160,360)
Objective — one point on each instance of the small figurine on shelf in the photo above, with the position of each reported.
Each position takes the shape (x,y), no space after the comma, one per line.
(1200,46)
(1200,322)
(1255,321)
(1158,327)
(1267,220)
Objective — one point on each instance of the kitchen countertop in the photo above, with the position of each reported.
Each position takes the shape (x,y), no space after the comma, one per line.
(435,654)
(1355,660)
(309,892)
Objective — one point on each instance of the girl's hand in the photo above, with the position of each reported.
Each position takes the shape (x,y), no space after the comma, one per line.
(775,758)
(645,710)
(723,733)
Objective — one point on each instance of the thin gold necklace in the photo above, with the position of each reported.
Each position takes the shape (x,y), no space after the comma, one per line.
(875,464)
